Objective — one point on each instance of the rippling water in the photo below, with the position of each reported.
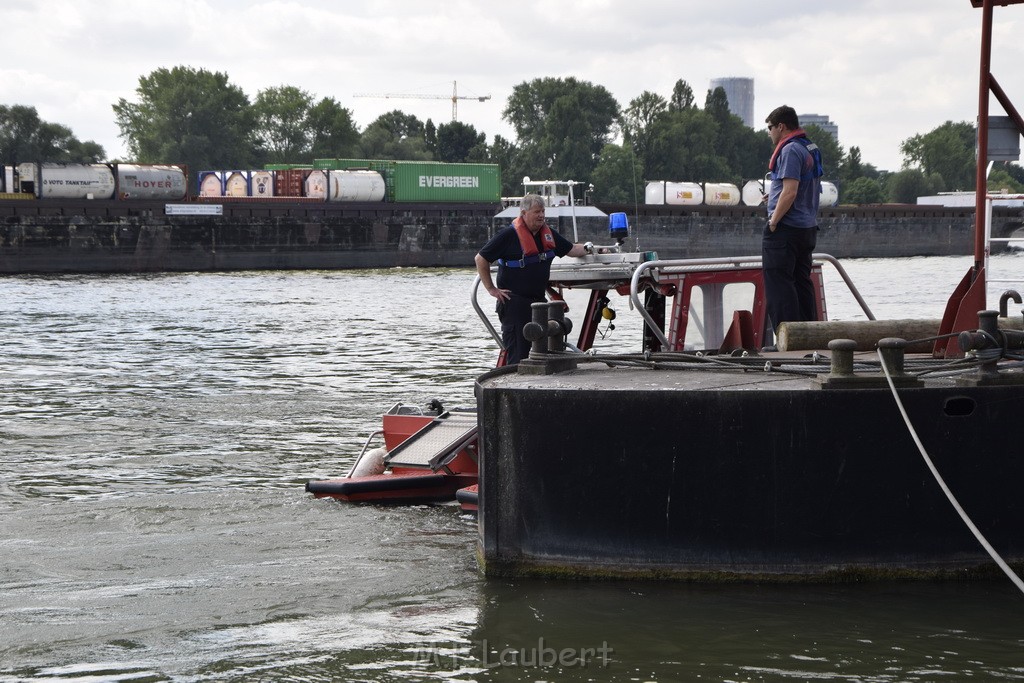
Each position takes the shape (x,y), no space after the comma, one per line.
(156,432)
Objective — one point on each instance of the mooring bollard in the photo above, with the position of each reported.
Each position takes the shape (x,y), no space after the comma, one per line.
(546,333)
(892,350)
(842,357)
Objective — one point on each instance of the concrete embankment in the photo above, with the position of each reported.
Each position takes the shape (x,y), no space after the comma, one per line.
(40,236)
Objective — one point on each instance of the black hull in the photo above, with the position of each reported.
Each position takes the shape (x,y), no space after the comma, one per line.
(51,236)
(715,476)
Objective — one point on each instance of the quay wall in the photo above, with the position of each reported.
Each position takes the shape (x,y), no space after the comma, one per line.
(44,237)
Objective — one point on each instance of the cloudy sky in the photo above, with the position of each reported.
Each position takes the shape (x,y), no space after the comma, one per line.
(883,70)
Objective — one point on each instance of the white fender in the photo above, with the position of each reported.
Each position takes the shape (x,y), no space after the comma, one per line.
(372,462)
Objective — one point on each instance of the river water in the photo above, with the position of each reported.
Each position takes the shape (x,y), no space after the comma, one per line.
(155,435)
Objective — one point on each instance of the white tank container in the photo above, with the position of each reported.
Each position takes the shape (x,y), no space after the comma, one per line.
(721,194)
(316,185)
(262,184)
(356,186)
(829,194)
(752,192)
(654,192)
(145,181)
(69,181)
(683,194)
(211,184)
(236,184)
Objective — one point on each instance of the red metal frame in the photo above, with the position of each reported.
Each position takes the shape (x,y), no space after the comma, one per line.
(969,297)
(683,283)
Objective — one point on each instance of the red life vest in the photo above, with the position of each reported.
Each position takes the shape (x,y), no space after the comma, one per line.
(528,243)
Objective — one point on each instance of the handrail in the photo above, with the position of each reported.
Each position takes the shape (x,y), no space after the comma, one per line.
(483,316)
(685,265)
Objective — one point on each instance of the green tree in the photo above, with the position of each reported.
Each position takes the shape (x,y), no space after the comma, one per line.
(189,116)
(395,135)
(716,104)
(683,148)
(947,151)
(430,136)
(1001,179)
(863,191)
(333,133)
(561,125)
(682,96)
(506,155)
(637,122)
(282,129)
(617,178)
(904,187)
(456,141)
(25,137)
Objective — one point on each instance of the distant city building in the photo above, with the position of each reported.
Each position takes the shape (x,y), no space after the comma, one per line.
(821,121)
(740,94)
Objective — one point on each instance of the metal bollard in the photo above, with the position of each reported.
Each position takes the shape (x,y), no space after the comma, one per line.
(892,350)
(842,357)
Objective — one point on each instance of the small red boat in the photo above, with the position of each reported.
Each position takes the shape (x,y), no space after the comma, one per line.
(428,455)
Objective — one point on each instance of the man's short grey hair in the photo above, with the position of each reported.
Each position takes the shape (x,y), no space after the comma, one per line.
(530,201)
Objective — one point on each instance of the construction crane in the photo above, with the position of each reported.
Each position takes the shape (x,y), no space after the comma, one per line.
(455,97)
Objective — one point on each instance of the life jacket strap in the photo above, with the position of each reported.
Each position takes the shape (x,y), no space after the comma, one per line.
(527,260)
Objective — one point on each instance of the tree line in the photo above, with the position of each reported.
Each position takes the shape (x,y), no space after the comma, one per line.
(564,129)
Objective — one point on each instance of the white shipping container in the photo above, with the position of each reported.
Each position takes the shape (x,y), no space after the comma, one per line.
(211,184)
(236,184)
(721,194)
(683,194)
(345,186)
(654,192)
(144,181)
(356,186)
(753,191)
(262,184)
(316,185)
(829,194)
(68,181)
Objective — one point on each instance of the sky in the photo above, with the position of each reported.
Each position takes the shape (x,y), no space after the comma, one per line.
(882,70)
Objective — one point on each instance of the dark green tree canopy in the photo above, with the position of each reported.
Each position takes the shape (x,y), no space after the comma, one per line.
(561,125)
(395,135)
(947,151)
(332,131)
(282,127)
(456,142)
(24,137)
(189,116)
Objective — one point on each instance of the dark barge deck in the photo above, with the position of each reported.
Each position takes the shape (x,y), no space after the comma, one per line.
(703,471)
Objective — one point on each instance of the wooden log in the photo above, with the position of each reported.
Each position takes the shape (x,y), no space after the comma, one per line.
(797,336)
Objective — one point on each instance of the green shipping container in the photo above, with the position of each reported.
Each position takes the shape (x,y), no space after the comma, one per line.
(431,181)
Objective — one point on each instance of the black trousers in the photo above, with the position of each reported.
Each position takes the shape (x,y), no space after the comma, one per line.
(514,314)
(786,260)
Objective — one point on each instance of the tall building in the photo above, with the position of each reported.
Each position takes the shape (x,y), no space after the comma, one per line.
(740,93)
(821,121)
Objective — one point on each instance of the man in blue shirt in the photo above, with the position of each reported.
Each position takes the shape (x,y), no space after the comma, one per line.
(524,251)
(791,232)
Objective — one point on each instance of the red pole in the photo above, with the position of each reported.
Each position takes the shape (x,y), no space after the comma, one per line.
(981,178)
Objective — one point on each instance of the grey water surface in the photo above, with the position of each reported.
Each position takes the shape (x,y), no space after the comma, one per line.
(155,435)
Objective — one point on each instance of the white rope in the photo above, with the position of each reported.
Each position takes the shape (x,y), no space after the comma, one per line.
(945,489)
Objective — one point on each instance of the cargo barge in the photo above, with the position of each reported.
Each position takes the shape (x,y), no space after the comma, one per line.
(210,234)
(860,460)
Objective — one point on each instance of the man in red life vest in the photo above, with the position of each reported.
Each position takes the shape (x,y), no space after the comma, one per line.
(792,228)
(524,252)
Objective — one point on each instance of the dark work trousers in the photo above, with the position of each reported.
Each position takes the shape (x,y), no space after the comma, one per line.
(786,259)
(514,314)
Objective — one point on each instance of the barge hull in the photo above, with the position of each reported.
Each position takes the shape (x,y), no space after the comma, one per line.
(716,476)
